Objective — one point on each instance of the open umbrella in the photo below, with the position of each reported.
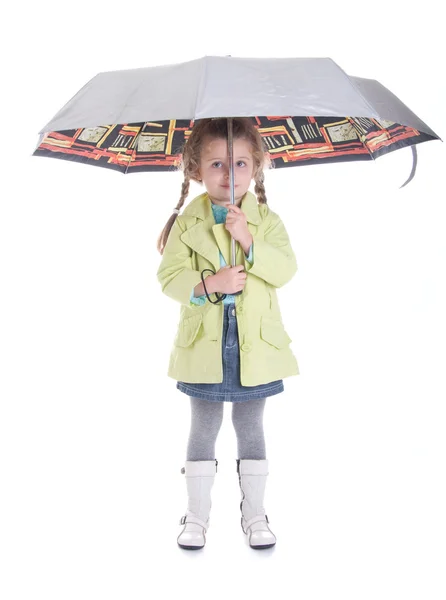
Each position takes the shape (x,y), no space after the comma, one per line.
(308,110)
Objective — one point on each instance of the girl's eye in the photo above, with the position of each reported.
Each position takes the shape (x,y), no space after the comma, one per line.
(240,163)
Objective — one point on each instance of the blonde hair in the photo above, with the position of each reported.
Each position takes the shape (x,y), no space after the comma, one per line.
(243,128)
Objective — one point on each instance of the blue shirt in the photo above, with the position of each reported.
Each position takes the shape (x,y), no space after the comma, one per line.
(220,213)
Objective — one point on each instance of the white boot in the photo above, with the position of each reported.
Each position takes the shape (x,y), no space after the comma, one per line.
(200,475)
(252,479)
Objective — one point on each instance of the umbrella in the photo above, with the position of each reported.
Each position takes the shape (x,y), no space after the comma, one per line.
(308,111)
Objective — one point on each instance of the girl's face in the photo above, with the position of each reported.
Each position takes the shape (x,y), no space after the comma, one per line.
(214,169)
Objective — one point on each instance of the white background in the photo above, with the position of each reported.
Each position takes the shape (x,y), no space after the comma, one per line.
(94,433)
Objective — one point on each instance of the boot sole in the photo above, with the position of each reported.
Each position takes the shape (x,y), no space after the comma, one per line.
(262,547)
(190,547)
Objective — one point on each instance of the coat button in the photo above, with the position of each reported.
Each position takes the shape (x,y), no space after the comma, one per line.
(240,310)
(246,347)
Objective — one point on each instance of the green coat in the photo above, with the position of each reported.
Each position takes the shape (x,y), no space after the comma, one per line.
(193,245)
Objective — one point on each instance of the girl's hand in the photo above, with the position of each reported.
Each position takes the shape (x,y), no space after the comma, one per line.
(229,280)
(236,223)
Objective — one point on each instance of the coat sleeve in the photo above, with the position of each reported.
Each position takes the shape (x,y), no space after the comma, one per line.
(175,273)
(273,258)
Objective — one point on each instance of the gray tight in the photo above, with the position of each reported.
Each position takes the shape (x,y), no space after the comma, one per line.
(206,420)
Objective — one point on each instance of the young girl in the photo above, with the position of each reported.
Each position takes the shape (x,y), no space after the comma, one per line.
(229,347)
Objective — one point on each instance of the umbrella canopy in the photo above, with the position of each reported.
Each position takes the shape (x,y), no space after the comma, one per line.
(308,110)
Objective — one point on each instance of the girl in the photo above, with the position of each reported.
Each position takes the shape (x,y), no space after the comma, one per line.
(230,347)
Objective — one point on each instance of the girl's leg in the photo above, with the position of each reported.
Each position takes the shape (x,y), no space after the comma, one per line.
(206,420)
(247,418)
(252,468)
(200,469)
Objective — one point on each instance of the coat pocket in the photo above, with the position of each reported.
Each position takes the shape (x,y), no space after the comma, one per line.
(188,330)
(272,331)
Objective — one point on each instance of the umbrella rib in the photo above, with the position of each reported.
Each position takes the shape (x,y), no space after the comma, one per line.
(134,149)
(358,130)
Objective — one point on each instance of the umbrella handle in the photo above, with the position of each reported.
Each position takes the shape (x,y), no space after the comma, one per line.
(220,297)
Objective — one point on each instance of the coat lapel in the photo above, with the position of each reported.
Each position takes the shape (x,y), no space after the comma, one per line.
(200,237)
(208,238)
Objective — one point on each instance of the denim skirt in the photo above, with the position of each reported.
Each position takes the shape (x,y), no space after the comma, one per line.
(230,389)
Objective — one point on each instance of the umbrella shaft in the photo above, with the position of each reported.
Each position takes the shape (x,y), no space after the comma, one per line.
(231,180)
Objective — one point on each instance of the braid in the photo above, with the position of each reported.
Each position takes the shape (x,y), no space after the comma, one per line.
(162,239)
(259,188)
(184,191)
